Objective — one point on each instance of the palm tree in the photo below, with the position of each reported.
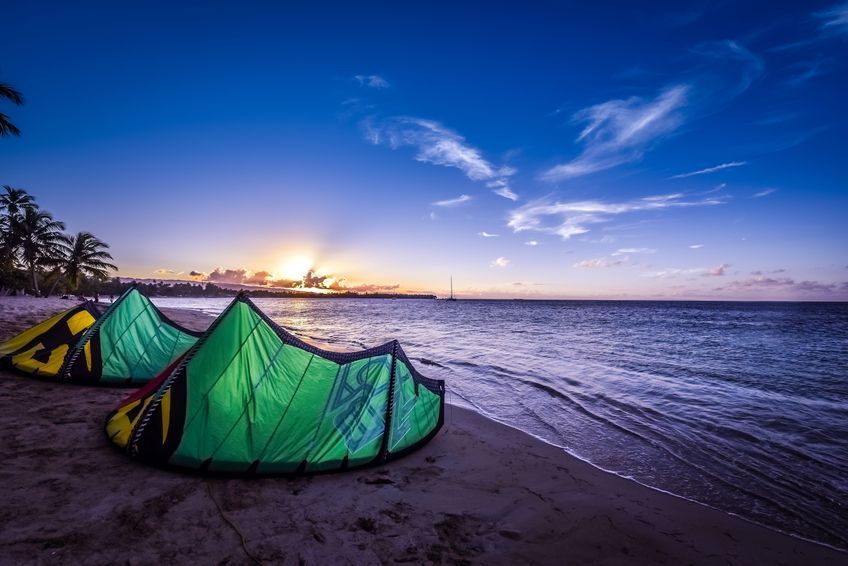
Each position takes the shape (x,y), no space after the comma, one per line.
(40,237)
(13,200)
(85,255)
(7,128)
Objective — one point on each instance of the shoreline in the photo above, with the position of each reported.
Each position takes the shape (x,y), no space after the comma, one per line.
(651,487)
(481,491)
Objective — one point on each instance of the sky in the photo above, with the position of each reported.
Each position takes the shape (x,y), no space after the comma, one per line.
(679,150)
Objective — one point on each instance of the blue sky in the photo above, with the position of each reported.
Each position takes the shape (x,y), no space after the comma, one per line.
(679,150)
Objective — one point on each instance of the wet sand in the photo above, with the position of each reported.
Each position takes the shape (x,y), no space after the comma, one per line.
(480,492)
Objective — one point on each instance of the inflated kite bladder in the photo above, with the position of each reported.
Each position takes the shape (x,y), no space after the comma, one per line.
(250,398)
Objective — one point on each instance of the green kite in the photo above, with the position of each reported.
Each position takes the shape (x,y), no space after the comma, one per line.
(251,398)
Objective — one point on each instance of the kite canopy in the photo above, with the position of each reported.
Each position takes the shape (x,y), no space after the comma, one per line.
(43,348)
(251,398)
(130,343)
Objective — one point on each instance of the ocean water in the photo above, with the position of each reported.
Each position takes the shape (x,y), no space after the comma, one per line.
(740,406)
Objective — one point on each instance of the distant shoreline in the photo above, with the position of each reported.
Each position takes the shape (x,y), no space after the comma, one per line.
(209,290)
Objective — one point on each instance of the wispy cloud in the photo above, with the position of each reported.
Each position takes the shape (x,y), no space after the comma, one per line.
(355,106)
(447,203)
(834,19)
(567,219)
(487,235)
(373,81)
(712,169)
(165,271)
(806,71)
(747,66)
(696,246)
(671,272)
(531,243)
(501,188)
(619,131)
(622,130)
(500,262)
(775,119)
(627,251)
(831,23)
(764,193)
(788,286)
(439,145)
(761,281)
(599,262)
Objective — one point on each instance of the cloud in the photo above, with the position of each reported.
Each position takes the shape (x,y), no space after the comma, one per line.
(806,71)
(747,67)
(599,262)
(696,246)
(773,271)
(531,243)
(461,199)
(567,219)
(761,281)
(487,235)
(258,278)
(670,272)
(500,262)
(164,271)
(625,251)
(711,169)
(373,81)
(199,275)
(310,280)
(221,275)
(832,22)
(607,238)
(247,277)
(787,285)
(355,106)
(774,119)
(439,145)
(764,193)
(674,272)
(433,215)
(834,19)
(620,131)
(501,188)
(717,271)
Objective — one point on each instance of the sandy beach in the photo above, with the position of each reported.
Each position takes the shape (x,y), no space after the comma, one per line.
(480,492)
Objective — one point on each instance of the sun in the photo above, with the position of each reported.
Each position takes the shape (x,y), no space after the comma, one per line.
(294,267)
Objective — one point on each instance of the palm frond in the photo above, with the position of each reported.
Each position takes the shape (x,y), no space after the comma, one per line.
(7,128)
(10,93)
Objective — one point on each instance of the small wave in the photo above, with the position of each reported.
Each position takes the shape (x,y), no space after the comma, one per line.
(427,362)
(553,392)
